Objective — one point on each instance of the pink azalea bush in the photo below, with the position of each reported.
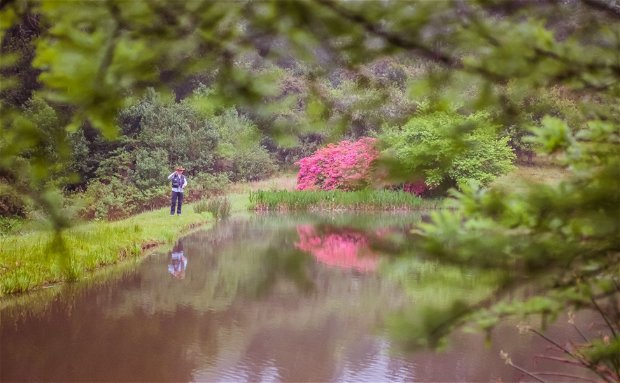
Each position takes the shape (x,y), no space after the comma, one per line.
(418,188)
(345,249)
(345,166)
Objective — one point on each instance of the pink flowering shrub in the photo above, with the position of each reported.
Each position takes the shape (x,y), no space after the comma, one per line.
(345,166)
(345,249)
(418,188)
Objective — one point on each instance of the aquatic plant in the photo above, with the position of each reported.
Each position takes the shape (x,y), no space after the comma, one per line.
(219,207)
(336,200)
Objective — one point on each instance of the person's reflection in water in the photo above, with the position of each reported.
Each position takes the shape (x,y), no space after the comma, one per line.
(178,261)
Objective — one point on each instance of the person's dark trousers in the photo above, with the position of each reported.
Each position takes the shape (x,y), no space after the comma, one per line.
(176,200)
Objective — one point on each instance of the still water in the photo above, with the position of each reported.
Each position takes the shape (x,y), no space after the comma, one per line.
(263,299)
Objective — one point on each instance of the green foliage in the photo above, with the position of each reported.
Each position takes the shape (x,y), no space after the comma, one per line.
(238,148)
(115,199)
(207,185)
(12,204)
(18,34)
(36,145)
(563,237)
(419,329)
(151,168)
(534,105)
(554,135)
(10,225)
(253,165)
(365,109)
(604,351)
(305,146)
(174,130)
(447,149)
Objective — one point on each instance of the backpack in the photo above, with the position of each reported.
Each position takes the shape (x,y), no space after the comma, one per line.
(178,180)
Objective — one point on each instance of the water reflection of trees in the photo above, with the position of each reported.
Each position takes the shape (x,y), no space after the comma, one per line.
(249,296)
(246,284)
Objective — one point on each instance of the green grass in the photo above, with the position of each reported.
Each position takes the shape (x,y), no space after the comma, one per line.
(29,261)
(286,181)
(11,225)
(304,200)
(537,173)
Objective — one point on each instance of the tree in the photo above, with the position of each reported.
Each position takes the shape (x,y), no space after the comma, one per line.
(446,149)
(239,150)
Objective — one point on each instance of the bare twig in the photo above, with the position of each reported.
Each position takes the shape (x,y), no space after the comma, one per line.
(571,320)
(584,362)
(598,308)
(581,333)
(509,362)
(557,359)
(564,375)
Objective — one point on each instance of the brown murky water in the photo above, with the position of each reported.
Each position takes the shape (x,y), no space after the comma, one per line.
(267,299)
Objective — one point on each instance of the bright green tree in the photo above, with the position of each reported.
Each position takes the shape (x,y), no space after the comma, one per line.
(446,149)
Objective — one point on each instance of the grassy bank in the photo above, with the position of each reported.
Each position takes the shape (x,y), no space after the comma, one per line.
(305,200)
(536,173)
(29,261)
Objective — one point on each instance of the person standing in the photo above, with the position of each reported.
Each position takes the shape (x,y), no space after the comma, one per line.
(178,184)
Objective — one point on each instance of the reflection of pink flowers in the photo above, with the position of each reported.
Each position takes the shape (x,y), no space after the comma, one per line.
(345,249)
(344,166)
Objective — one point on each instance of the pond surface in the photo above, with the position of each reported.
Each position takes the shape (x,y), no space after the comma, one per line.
(265,299)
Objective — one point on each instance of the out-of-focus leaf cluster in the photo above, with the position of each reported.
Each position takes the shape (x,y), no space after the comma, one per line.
(546,73)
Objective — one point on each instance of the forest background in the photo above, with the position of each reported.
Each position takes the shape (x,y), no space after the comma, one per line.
(100,100)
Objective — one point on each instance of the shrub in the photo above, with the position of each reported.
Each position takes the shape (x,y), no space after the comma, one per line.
(113,199)
(426,147)
(151,168)
(173,132)
(554,101)
(286,155)
(219,207)
(239,151)
(253,165)
(11,203)
(207,185)
(418,188)
(345,166)
(201,206)
(10,225)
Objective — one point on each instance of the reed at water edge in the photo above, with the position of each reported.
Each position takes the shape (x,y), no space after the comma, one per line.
(310,200)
